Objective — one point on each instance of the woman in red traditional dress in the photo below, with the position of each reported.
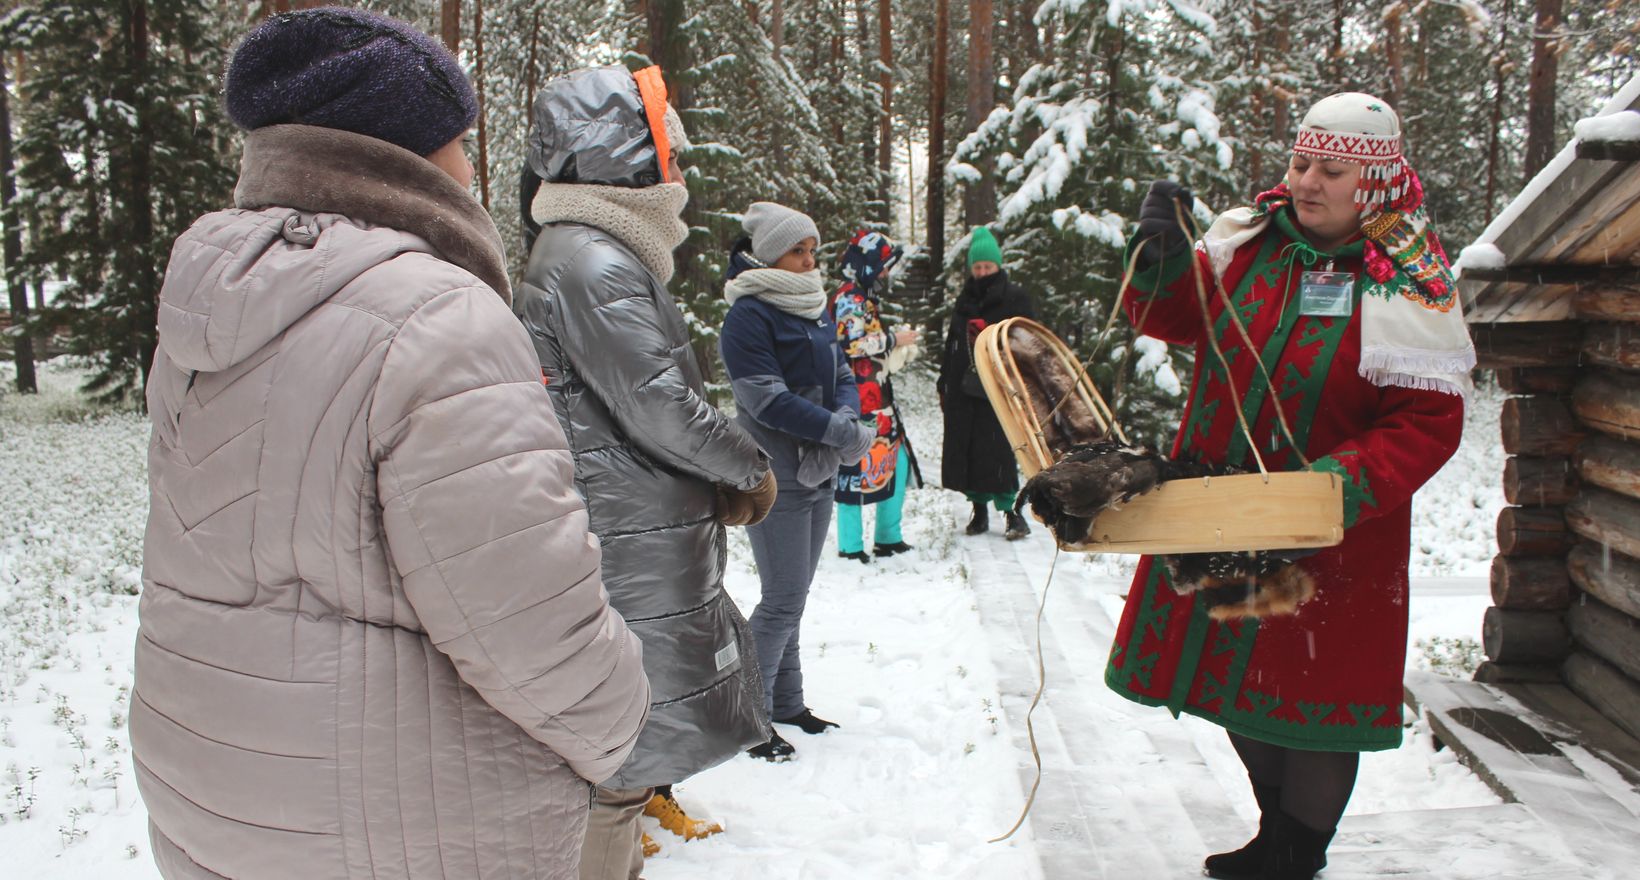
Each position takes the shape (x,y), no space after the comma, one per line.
(1347,353)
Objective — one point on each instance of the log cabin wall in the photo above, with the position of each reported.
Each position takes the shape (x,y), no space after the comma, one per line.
(1566,580)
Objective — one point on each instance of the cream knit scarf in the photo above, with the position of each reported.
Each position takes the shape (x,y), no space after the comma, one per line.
(797,293)
(645,219)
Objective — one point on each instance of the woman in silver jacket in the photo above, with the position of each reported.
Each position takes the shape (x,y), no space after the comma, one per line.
(373,638)
(661,469)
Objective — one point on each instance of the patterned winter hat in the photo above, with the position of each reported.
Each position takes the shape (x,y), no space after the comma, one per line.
(1356,127)
(350,70)
(868,256)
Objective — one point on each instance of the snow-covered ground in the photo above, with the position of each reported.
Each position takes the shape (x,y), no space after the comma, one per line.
(924,771)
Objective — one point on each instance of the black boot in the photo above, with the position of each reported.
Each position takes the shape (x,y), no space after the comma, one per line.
(891,549)
(1017,527)
(1297,852)
(808,722)
(981,523)
(859,555)
(1247,862)
(775,751)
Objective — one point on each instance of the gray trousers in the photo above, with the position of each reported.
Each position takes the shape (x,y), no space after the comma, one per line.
(612,849)
(787,547)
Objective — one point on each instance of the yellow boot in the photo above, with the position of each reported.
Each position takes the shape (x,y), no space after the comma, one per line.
(650,847)
(674,819)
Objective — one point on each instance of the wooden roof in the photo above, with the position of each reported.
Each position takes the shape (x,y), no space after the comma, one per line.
(1575,225)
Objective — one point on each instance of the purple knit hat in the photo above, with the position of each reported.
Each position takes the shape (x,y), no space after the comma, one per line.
(351,70)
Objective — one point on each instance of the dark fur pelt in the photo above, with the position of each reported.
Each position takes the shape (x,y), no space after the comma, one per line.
(1093,478)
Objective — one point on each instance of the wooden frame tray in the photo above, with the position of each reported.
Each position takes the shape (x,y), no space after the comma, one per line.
(1287,510)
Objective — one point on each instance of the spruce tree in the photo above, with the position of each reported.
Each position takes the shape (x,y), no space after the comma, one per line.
(122,144)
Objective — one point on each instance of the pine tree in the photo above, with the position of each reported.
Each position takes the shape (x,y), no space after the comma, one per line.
(1075,150)
(122,143)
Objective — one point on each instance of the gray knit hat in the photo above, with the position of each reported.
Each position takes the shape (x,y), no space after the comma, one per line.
(776,229)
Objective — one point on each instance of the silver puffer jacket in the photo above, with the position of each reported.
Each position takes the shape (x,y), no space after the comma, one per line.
(648,447)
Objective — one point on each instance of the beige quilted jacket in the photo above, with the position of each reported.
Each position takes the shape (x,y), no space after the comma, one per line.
(374,642)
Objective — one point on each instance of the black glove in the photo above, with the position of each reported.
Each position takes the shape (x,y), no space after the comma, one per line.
(1159,229)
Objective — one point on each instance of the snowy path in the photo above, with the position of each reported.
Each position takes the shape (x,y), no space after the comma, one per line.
(1128,791)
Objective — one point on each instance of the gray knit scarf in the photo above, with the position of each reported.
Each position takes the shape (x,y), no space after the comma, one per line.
(645,219)
(797,293)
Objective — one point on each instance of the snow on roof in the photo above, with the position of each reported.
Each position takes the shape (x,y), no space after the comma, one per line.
(1622,126)
(1593,128)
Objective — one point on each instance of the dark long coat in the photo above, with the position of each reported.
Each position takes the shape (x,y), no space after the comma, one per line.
(977,456)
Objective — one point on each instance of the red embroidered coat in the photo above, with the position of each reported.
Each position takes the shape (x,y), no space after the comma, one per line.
(1329,676)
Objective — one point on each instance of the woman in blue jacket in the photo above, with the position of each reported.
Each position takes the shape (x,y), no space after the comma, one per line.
(796,397)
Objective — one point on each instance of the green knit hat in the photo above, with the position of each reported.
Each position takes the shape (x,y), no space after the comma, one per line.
(983,247)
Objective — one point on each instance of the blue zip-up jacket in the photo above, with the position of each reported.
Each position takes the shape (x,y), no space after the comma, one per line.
(791,382)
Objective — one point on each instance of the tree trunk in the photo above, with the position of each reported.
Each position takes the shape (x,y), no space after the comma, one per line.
(1609,403)
(1610,464)
(1533,344)
(483,128)
(1609,302)
(1537,380)
(1494,131)
(1610,577)
(979,200)
(1524,636)
(885,132)
(1539,482)
(934,218)
(142,202)
(1608,634)
(16,289)
(1603,687)
(1530,584)
(868,140)
(1540,426)
(777,27)
(1540,87)
(1393,61)
(1607,518)
(1533,531)
(449,25)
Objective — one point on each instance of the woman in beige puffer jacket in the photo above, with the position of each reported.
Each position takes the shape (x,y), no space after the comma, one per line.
(374,640)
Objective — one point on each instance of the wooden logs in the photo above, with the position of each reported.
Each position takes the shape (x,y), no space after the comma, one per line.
(1612,345)
(1532,531)
(1509,673)
(1540,481)
(1608,302)
(1537,380)
(1610,577)
(1609,403)
(1540,426)
(1600,684)
(1524,636)
(1533,344)
(1531,584)
(1606,518)
(1610,635)
(1610,464)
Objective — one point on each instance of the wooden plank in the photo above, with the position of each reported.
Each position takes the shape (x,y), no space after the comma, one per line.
(1527,758)
(1530,583)
(1520,302)
(1536,344)
(1606,633)
(1616,695)
(1609,403)
(1537,380)
(1606,518)
(1524,636)
(1241,512)
(1610,463)
(1610,577)
(1539,482)
(1533,531)
(1617,237)
(1541,273)
(1609,151)
(1612,345)
(1540,426)
(1608,302)
(1594,731)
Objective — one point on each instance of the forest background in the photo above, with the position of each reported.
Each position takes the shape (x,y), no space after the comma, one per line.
(1045,119)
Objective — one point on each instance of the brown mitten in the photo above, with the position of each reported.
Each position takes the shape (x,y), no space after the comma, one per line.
(748,508)
(1235,585)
